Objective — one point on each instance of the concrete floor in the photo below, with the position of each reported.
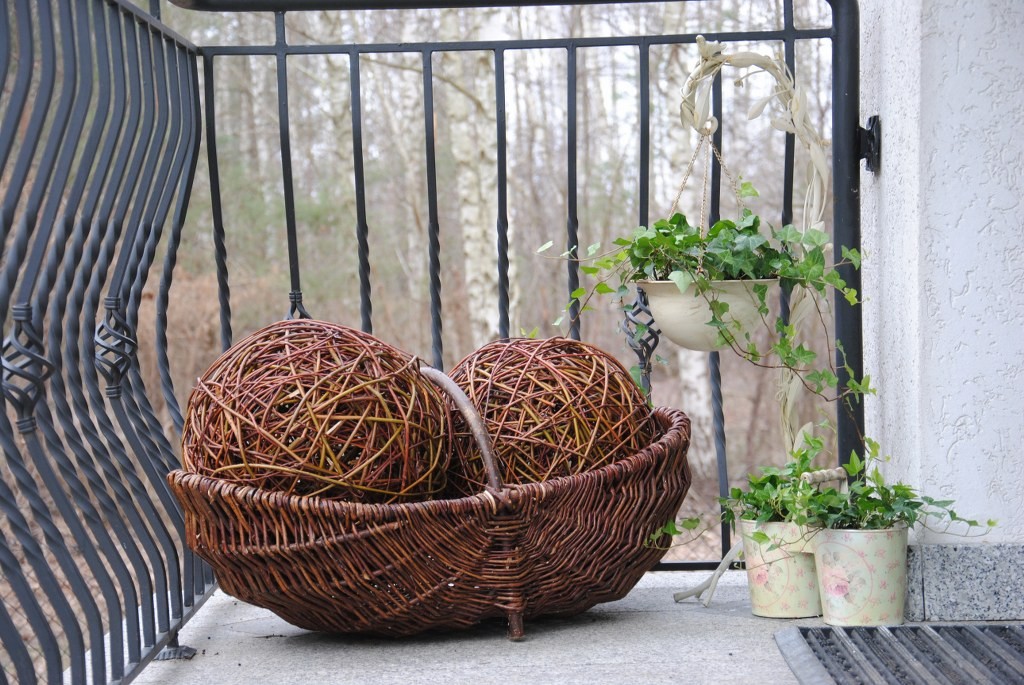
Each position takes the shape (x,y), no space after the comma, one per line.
(643,639)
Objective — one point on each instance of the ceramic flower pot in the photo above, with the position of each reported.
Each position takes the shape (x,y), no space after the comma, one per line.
(683,317)
(781,581)
(862,575)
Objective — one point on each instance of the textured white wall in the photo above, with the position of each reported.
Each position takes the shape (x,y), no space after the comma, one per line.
(944,237)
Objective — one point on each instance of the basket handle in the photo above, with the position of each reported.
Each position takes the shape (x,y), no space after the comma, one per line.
(825,476)
(472,416)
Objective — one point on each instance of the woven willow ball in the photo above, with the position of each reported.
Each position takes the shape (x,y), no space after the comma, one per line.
(313,408)
(554,407)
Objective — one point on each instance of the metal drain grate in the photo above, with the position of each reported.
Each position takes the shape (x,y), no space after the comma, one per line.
(929,655)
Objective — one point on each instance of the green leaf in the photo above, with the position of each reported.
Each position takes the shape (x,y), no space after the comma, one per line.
(637,374)
(788,234)
(578,293)
(531,335)
(682,279)
(545,246)
(691,523)
(852,256)
(815,238)
(747,189)
(592,249)
(760,537)
(855,465)
(603,288)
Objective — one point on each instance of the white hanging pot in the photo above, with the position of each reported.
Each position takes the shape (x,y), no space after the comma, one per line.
(781,581)
(683,317)
(862,575)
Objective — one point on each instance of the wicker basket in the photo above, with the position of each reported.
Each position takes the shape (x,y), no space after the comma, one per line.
(556,547)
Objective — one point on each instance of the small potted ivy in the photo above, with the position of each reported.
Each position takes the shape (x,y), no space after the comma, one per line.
(780,567)
(859,536)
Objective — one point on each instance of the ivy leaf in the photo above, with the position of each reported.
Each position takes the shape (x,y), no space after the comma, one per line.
(852,256)
(760,537)
(814,237)
(788,234)
(603,288)
(690,523)
(682,279)
(855,465)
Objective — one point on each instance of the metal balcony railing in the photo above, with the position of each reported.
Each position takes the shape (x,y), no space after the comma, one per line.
(101,114)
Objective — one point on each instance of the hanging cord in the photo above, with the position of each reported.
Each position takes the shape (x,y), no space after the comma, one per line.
(705,139)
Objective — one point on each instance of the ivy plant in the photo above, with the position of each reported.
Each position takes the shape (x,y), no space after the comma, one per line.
(870,503)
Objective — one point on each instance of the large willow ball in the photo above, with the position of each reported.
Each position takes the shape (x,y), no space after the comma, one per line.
(313,408)
(553,407)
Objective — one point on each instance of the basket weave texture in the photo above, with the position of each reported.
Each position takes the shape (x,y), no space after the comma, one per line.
(555,407)
(554,547)
(313,408)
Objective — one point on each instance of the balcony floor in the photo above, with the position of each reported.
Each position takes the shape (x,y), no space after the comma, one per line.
(643,639)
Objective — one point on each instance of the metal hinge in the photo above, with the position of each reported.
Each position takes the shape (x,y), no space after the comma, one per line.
(869,144)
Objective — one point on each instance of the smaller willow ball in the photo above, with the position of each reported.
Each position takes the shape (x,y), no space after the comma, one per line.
(313,408)
(553,407)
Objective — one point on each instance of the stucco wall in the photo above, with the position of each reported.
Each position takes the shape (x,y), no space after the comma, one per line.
(944,240)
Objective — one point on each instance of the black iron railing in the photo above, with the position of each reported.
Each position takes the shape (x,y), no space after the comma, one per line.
(98,144)
(100,123)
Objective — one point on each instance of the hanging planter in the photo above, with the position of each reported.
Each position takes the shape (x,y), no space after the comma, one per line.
(862,575)
(687,317)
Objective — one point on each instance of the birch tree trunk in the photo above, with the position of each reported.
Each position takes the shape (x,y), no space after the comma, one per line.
(474,153)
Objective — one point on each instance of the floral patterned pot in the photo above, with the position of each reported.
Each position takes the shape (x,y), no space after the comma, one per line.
(862,575)
(782,581)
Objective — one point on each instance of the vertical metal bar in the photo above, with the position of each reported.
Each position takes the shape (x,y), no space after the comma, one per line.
(643,342)
(12,119)
(434,228)
(195,568)
(187,95)
(15,127)
(362,228)
(714,359)
(502,189)
(644,176)
(789,154)
(27,599)
(34,555)
(295,296)
(846,213)
(14,643)
(572,221)
(143,169)
(219,244)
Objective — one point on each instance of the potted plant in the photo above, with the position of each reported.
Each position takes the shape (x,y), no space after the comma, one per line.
(706,289)
(859,536)
(780,567)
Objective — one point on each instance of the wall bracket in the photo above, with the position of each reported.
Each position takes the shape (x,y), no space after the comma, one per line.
(869,144)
